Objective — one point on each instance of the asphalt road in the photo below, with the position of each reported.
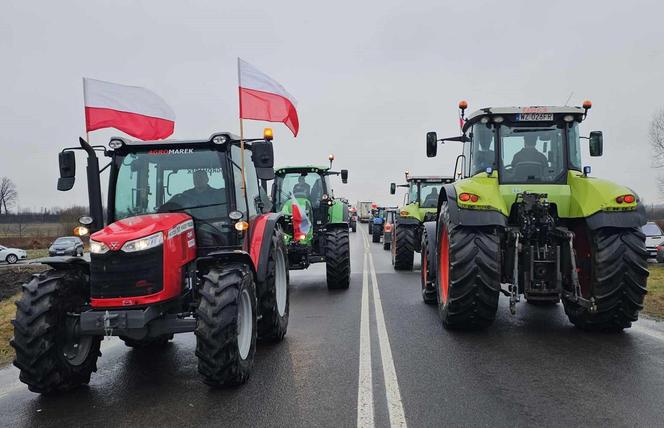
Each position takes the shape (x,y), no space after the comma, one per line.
(376,355)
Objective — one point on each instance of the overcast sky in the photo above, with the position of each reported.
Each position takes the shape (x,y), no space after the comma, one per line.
(371,78)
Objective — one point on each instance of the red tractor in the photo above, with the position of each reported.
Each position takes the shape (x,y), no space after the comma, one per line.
(187,247)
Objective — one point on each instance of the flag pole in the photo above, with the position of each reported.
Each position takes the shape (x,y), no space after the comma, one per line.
(239,93)
(85,114)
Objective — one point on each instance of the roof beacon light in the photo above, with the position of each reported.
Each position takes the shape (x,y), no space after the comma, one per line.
(268,134)
(587,105)
(463,104)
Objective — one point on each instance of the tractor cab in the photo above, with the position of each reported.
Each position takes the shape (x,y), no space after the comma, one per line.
(310,187)
(422,192)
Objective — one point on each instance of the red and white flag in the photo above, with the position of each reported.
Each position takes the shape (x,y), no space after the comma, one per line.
(136,111)
(263,98)
(301,223)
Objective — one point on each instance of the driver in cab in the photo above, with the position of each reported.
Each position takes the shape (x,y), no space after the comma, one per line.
(529,153)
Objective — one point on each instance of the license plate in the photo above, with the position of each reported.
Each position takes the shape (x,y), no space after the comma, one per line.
(534,117)
(59,252)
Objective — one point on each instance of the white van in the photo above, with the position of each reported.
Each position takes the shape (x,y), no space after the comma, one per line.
(653,238)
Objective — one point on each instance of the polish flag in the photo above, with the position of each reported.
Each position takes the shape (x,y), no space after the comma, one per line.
(133,110)
(301,224)
(263,98)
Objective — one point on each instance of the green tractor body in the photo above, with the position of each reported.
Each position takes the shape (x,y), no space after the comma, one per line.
(526,219)
(420,206)
(324,237)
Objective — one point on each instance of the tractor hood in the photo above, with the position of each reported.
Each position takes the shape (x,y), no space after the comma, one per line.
(116,234)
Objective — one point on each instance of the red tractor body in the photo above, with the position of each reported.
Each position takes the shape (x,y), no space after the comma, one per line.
(127,278)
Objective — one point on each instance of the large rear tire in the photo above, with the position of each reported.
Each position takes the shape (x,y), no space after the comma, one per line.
(353,227)
(375,236)
(337,258)
(404,248)
(274,294)
(618,264)
(49,353)
(427,273)
(226,326)
(467,274)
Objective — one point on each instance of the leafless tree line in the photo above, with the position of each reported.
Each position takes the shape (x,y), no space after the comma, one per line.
(656,136)
(8,194)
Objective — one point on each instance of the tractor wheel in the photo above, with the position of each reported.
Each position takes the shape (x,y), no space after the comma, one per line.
(468,274)
(617,261)
(386,244)
(404,247)
(273,299)
(370,227)
(353,227)
(148,343)
(51,355)
(426,277)
(226,327)
(337,258)
(375,236)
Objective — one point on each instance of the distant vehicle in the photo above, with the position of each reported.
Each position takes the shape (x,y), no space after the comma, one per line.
(12,255)
(353,219)
(653,238)
(388,227)
(66,246)
(363,211)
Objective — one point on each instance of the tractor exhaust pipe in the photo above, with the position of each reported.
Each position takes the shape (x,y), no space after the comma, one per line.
(94,187)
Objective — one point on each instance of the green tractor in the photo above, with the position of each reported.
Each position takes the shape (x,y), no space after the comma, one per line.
(527,219)
(420,206)
(325,237)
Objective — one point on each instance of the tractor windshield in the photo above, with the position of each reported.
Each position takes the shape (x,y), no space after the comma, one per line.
(307,185)
(527,153)
(429,194)
(186,180)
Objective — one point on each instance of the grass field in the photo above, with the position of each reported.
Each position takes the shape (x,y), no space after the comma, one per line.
(7,312)
(654,305)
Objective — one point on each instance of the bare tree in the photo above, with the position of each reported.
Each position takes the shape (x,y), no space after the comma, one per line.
(8,194)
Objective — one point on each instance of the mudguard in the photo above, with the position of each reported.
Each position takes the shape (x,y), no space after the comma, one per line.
(262,229)
(64,263)
(338,213)
(466,217)
(407,221)
(630,219)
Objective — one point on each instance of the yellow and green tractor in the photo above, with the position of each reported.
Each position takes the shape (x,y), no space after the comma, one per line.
(526,218)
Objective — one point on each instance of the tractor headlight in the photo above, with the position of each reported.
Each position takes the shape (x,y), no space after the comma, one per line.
(98,247)
(142,244)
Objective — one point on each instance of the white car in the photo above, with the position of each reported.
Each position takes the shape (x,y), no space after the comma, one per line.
(653,238)
(12,255)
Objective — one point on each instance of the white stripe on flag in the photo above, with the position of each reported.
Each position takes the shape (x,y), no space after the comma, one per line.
(131,99)
(252,78)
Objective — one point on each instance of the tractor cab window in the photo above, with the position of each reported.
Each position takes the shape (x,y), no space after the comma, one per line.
(574,145)
(429,194)
(532,154)
(412,192)
(482,148)
(185,180)
(305,185)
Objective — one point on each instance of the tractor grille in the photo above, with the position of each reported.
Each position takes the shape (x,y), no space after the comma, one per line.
(120,274)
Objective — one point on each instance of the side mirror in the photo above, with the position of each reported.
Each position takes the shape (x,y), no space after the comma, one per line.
(596,143)
(393,188)
(262,154)
(67,161)
(432,144)
(344,176)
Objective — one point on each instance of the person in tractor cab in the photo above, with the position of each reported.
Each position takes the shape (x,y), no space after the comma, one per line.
(432,199)
(204,203)
(529,153)
(301,188)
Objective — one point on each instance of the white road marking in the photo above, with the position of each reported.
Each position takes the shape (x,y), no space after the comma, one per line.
(392,393)
(365,409)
